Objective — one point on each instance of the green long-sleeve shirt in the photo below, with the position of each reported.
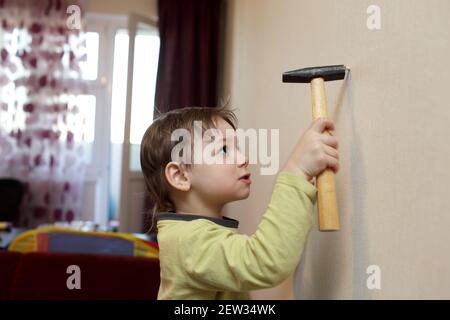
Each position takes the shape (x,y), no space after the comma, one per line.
(206,258)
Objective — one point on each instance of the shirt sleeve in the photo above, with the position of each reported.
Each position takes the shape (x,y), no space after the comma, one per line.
(218,258)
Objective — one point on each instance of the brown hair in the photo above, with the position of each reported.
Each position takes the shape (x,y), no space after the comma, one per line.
(156,149)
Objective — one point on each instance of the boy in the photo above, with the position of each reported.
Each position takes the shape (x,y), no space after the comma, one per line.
(201,254)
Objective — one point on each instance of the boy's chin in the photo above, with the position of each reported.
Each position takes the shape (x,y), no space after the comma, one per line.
(237,196)
(243,195)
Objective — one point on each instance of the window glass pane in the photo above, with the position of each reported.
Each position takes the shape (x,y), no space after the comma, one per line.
(135,159)
(146,53)
(119,86)
(89,68)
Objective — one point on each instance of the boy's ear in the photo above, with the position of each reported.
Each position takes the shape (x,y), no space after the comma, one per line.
(177,176)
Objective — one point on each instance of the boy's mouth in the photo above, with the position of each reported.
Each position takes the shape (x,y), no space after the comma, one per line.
(246,178)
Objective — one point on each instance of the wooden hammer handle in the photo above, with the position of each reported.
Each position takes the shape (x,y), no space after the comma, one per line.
(326,186)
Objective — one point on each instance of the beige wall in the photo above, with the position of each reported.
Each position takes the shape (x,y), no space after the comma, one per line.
(123,7)
(392,118)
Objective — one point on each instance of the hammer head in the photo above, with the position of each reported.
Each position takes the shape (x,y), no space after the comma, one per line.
(328,73)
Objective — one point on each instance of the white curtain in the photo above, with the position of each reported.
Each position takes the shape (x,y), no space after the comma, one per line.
(41,128)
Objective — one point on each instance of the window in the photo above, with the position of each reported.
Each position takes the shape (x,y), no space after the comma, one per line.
(104,107)
(119,85)
(146,52)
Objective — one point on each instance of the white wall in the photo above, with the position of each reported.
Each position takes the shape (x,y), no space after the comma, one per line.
(391,118)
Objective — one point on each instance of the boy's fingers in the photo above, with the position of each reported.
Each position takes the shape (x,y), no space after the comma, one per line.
(330,141)
(333,163)
(322,124)
(332,152)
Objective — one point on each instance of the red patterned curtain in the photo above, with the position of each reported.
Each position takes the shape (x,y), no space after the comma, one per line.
(41,127)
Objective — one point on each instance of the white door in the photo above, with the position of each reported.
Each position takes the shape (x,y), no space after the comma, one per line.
(143,52)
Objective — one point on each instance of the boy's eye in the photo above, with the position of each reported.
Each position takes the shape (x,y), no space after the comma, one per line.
(224,149)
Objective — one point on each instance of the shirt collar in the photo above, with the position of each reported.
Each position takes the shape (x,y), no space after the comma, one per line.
(224,221)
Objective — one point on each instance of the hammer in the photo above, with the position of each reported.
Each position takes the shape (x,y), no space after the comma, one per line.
(327,205)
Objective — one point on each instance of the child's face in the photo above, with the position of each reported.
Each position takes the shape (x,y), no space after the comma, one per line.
(220,183)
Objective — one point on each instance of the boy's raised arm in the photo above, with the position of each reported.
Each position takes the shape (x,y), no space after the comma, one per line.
(218,260)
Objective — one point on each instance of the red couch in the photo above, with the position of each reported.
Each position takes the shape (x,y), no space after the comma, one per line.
(44,276)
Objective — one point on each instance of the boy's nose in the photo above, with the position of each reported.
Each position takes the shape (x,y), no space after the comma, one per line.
(242,160)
